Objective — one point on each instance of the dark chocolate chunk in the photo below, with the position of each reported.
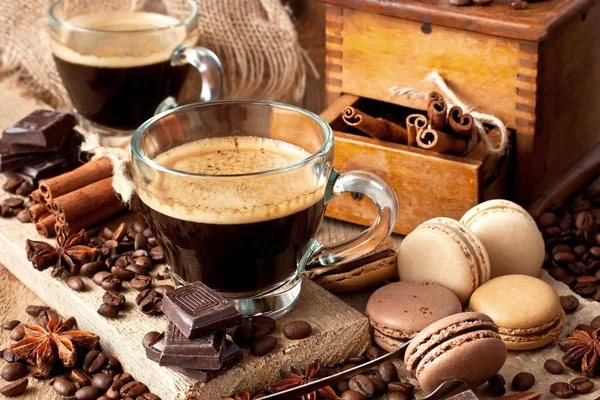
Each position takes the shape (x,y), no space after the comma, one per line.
(42,128)
(231,356)
(49,168)
(196,309)
(205,352)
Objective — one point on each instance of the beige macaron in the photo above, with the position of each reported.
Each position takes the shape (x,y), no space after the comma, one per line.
(510,236)
(444,251)
(526,309)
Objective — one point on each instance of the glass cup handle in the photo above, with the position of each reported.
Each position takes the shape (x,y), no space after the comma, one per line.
(384,197)
(209,66)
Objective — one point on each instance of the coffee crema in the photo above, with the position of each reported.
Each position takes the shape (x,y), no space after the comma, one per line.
(231,199)
(117,68)
(240,235)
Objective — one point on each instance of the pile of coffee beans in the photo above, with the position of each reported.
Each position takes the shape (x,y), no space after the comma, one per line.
(127,254)
(15,207)
(96,375)
(254,333)
(521,382)
(572,237)
(566,390)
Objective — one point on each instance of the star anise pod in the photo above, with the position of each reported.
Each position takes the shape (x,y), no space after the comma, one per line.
(42,346)
(68,254)
(582,351)
(294,378)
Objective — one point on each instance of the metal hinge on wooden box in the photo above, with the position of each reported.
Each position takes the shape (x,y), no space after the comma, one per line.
(535,69)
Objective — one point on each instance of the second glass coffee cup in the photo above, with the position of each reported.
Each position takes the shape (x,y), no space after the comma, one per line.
(123,61)
(235,192)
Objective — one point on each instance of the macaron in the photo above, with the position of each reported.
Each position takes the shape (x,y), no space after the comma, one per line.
(371,270)
(527,310)
(398,311)
(510,236)
(465,346)
(444,251)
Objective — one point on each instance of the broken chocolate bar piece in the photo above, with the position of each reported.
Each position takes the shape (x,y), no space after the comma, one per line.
(231,356)
(205,352)
(49,169)
(196,310)
(41,128)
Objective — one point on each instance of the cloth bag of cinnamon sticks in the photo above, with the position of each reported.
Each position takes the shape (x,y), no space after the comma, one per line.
(255,40)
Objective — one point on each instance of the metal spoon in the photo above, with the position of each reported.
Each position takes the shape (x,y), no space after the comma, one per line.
(447,387)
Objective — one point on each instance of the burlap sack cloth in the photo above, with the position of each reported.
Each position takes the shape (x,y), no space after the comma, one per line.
(254,39)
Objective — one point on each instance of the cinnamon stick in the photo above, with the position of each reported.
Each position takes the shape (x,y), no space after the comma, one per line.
(437,111)
(84,202)
(431,139)
(460,124)
(93,219)
(36,211)
(414,124)
(36,196)
(377,128)
(45,226)
(90,172)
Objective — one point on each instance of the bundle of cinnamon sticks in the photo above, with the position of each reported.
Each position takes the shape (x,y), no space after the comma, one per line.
(442,130)
(76,200)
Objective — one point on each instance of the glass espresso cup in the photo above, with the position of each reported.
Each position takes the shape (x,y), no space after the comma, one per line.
(235,192)
(122,61)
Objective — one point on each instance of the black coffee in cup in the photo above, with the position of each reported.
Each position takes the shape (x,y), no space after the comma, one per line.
(118,85)
(251,245)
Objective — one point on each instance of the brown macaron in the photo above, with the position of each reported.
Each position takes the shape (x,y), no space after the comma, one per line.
(398,311)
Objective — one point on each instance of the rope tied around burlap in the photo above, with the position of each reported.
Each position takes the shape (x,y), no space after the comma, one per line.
(479,118)
(120,158)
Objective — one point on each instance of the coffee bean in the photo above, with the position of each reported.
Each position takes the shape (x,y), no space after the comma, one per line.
(157,253)
(133,389)
(122,273)
(360,383)
(581,385)
(139,226)
(163,289)
(496,385)
(374,352)
(263,346)
(111,282)
(139,253)
(8,356)
(523,381)
(24,189)
(387,372)
(595,323)
(152,242)
(13,371)
(140,241)
(75,283)
(398,396)
(580,249)
(149,338)
(149,301)
(122,262)
(262,321)
(113,298)
(378,384)
(13,202)
(12,184)
(352,395)
(554,367)
(34,311)
(91,268)
(120,232)
(587,279)
(401,387)
(356,360)
(17,333)
(102,381)
(585,289)
(81,377)
(99,276)
(297,330)
(341,387)
(562,390)
(584,327)
(46,316)
(547,220)
(568,280)
(141,282)
(88,393)
(584,220)
(559,248)
(15,388)
(93,361)
(261,332)
(108,311)
(23,216)
(569,303)
(137,269)
(564,258)
(10,325)
(64,387)
(144,262)
(113,364)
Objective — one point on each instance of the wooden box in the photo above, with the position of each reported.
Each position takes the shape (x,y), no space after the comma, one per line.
(535,69)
